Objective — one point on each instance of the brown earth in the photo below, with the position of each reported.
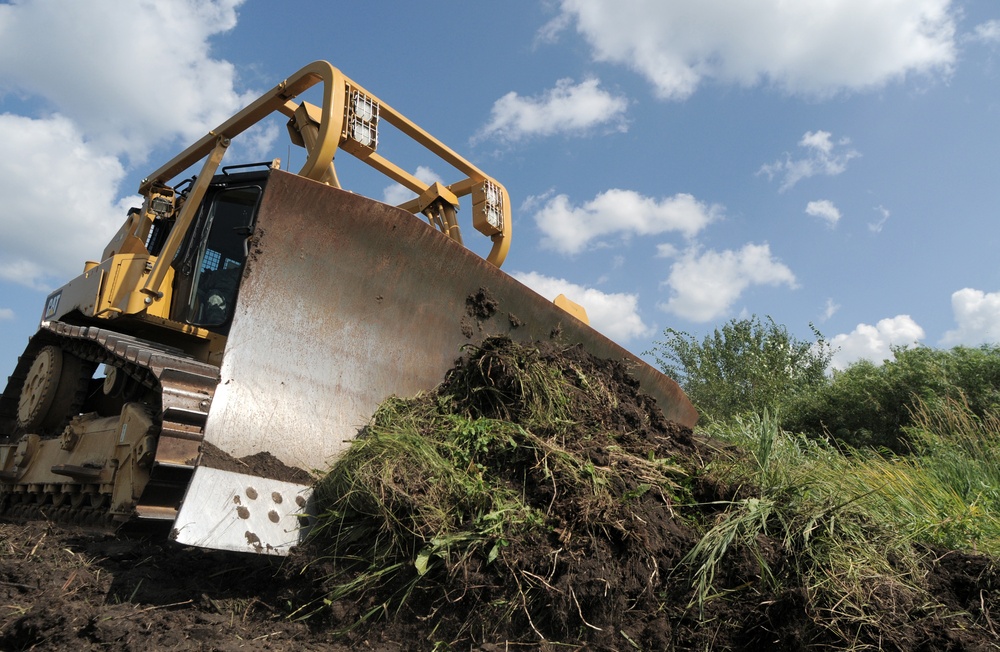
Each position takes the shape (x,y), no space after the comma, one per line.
(609,575)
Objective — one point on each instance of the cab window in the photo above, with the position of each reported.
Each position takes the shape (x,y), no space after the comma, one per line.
(220,258)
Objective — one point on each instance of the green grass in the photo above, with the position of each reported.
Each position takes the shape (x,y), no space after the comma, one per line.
(854,527)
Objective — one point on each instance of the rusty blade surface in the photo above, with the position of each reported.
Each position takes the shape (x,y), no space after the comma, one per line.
(346,301)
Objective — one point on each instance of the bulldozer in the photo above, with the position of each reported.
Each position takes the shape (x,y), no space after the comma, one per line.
(250,310)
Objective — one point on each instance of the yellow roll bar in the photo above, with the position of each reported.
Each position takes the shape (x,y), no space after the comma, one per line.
(346,120)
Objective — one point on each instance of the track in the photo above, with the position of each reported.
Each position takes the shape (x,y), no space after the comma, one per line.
(176,391)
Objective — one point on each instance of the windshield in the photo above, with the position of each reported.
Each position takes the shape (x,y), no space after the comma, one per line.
(220,259)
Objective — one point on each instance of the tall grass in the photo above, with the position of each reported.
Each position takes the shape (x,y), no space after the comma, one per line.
(854,527)
(948,491)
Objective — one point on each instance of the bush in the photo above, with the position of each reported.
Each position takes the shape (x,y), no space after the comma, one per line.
(871,406)
(747,367)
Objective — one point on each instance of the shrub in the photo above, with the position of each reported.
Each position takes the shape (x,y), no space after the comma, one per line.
(868,405)
(745,368)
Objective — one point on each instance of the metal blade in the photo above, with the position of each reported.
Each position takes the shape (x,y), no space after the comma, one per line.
(223,510)
(346,301)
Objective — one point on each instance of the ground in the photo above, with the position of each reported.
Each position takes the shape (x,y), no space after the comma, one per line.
(604,575)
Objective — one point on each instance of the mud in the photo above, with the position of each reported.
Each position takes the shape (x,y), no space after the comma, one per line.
(611,573)
(479,307)
(481,304)
(262,464)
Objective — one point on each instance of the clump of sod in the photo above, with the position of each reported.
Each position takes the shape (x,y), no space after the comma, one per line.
(474,506)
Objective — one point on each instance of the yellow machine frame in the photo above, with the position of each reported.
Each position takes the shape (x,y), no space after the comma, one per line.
(322,131)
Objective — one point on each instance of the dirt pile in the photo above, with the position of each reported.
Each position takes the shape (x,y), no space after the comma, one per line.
(541,501)
(544,508)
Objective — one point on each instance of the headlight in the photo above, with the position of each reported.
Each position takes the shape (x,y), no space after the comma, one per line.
(361,124)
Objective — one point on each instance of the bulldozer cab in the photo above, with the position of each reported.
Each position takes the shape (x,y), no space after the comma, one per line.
(208,268)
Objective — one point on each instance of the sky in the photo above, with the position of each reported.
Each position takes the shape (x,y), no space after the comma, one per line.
(670,164)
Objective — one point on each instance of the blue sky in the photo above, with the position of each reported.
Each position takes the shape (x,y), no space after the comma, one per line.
(670,164)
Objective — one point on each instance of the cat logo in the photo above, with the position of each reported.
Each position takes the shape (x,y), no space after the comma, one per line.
(52,304)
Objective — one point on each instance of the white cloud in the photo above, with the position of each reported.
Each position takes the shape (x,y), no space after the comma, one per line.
(567,108)
(549,33)
(257,142)
(808,48)
(823,157)
(54,182)
(819,140)
(825,209)
(616,315)
(877,225)
(705,285)
(874,342)
(569,229)
(6,314)
(106,81)
(830,309)
(666,250)
(988,32)
(131,75)
(977,315)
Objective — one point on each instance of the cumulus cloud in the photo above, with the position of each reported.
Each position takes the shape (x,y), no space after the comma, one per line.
(131,75)
(549,33)
(808,48)
(874,342)
(106,82)
(570,229)
(825,209)
(614,314)
(666,250)
(567,108)
(823,157)
(6,314)
(977,316)
(52,179)
(705,284)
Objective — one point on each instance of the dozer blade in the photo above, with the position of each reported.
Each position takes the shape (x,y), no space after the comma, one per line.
(346,301)
(243,513)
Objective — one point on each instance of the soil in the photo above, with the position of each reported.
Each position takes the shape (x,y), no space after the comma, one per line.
(610,574)
(262,464)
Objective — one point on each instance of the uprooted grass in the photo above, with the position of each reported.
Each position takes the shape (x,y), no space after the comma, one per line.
(478,505)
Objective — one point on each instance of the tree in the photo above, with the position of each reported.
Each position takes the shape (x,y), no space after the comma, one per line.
(746,367)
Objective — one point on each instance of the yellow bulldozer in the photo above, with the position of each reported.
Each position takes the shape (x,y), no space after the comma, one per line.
(248,309)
